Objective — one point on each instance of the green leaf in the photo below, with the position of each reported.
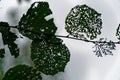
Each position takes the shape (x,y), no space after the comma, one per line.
(1,69)
(50,58)
(9,38)
(2,52)
(22,72)
(35,21)
(118,32)
(83,22)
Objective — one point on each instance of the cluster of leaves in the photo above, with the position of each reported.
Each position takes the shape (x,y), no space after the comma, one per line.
(48,52)
(45,53)
(84,23)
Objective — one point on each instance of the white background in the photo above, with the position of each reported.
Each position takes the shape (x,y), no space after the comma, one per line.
(84,64)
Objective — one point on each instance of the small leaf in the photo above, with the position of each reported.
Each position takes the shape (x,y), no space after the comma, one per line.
(1,69)
(9,38)
(118,32)
(49,58)
(22,72)
(2,52)
(83,21)
(35,21)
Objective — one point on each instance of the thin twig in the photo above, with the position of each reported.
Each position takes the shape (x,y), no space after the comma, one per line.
(85,40)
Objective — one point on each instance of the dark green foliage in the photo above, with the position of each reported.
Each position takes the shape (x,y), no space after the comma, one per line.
(2,52)
(22,72)
(83,22)
(1,69)
(3,27)
(50,58)
(54,40)
(48,53)
(35,21)
(118,32)
(104,48)
(9,38)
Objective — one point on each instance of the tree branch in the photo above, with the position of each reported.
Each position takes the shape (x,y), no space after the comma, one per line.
(85,40)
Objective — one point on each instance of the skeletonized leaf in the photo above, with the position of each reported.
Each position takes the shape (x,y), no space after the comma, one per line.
(35,21)
(104,48)
(50,58)
(83,22)
(22,72)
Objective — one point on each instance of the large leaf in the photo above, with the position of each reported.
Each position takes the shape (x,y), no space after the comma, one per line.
(83,22)
(50,57)
(34,21)
(22,72)
(8,39)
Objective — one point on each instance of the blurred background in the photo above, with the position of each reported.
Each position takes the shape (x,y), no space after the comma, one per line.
(84,64)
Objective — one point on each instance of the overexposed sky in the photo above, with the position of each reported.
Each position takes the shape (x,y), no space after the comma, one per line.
(84,65)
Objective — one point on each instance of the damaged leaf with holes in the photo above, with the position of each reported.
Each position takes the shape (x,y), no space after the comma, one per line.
(8,39)
(22,72)
(35,21)
(50,58)
(83,22)
(104,48)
